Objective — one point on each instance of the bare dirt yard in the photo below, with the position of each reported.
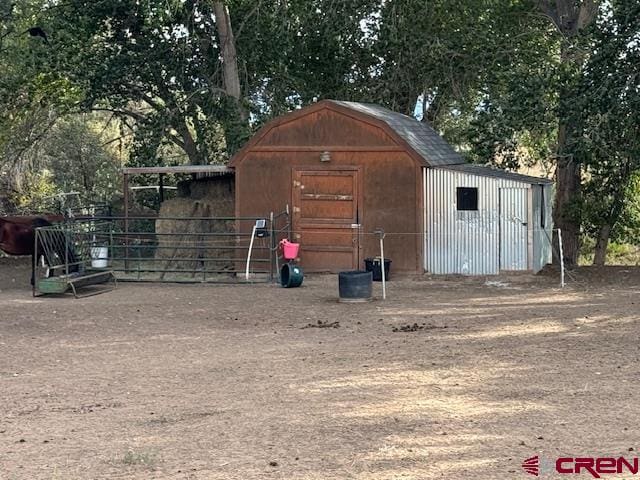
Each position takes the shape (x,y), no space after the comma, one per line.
(448,378)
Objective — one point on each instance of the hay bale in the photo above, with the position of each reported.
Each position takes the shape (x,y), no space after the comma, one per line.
(220,189)
(185,241)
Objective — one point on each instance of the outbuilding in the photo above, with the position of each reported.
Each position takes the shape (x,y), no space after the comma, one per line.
(348,169)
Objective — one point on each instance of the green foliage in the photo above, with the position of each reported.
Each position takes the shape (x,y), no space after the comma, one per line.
(618,253)
(608,110)
(74,151)
(627,229)
(292,52)
(154,64)
(38,188)
(502,82)
(70,157)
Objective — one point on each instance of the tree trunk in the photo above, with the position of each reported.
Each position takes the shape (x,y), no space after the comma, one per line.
(566,215)
(432,112)
(600,252)
(189,146)
(617,207)
(568,182)
(228,49)
(237,126)
(570,17)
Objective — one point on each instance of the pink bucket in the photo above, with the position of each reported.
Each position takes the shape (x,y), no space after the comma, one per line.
(290,250)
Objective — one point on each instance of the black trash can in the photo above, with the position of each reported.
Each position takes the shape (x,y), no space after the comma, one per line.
(373,265)
(291,276)
(355,286)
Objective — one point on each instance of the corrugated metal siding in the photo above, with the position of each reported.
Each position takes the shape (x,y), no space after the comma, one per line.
(514,215)
(462,242)
(542,235)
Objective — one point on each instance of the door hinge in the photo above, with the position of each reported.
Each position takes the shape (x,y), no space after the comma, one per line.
(296,209)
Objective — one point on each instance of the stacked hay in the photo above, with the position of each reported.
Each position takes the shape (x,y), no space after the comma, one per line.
(193,245)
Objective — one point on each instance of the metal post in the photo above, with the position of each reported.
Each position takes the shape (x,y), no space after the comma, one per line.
(161,187)
(34,263)
(290,224)
(125,189)
(253,236)
(561,259)
(380,233)
(272,246)
(66,249)
(112,251)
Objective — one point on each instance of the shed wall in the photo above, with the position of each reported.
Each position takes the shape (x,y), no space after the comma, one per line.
(542,234)
(326,128)
(392,200)
(463,242)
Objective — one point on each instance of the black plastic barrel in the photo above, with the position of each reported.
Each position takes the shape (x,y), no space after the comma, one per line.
(355,286)
(373,265)
(291,276)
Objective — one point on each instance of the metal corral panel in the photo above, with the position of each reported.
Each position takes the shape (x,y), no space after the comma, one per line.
(464,242)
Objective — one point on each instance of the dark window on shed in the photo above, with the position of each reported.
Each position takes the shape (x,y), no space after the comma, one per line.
(467,198)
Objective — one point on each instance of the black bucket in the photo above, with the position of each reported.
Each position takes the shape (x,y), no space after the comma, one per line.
(291,276)
(373,265)
(355,286)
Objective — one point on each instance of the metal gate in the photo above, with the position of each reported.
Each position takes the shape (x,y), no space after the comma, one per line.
(175,249)
(326,217)
(513,228)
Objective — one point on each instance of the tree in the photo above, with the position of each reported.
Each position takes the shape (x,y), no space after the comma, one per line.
(572,19)
(608,109)
(176,71)
(32,95)
(154,65)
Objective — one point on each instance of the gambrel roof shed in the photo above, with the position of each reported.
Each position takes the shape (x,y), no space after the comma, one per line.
(426,145)
(347,169)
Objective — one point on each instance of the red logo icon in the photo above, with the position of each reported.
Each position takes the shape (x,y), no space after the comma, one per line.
(532,466)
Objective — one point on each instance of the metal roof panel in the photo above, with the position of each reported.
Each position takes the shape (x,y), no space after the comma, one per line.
(420,136)
(487,171)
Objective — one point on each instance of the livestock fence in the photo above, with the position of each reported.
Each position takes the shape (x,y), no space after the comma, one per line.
(174,249)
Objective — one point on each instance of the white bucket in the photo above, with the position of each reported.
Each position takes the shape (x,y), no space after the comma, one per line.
(99,257)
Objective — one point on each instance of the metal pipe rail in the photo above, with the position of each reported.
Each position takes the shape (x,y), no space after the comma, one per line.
(190,252)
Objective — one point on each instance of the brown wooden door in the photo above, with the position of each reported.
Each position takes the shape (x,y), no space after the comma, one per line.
(326,218)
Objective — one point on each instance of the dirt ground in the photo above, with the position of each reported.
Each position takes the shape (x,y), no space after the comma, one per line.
(448,378)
